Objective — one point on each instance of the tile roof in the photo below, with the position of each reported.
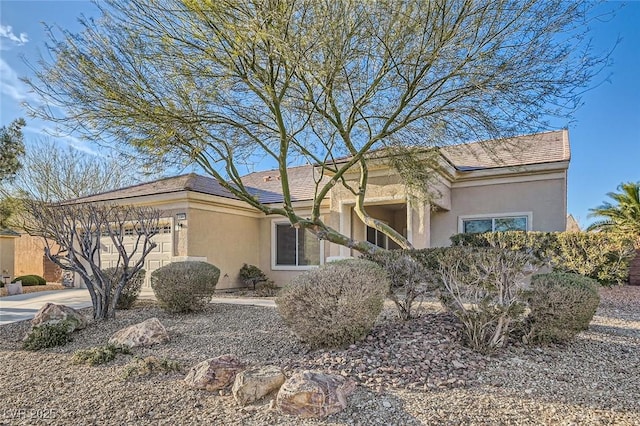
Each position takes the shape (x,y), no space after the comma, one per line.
(188,182)
(266,185)
(6,232)
(538,148)
(302,181)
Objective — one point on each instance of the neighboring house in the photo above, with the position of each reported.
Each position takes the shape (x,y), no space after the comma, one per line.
(7,253)
(519,183)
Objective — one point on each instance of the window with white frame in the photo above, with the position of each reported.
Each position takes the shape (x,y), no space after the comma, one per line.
(295,247)
(495,223)
(376,237)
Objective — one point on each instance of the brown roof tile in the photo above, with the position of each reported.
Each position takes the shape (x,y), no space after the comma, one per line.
(267,184)
(538,148)
(188,182)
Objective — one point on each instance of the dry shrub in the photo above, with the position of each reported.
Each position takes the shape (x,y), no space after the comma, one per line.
(184,286)
(336,304)
(131,289)
(409,280)
(482,287)
(150,366)
(99,354)
(562,305)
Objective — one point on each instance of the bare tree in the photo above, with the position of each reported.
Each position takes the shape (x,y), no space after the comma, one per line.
(73,236)
(228,83)
(52,172)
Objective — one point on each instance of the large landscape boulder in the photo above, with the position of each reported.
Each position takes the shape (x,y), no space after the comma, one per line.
(146,333)
(255,383)
(52,313)
(215,373)
(314,394)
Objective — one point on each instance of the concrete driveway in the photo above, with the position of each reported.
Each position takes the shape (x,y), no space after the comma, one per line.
(25,306)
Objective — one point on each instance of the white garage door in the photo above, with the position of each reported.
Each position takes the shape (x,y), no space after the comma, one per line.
(160,256)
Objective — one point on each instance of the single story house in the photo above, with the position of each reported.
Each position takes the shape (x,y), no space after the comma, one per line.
(513,184)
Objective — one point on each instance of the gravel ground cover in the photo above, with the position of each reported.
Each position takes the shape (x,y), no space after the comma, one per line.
(408,374)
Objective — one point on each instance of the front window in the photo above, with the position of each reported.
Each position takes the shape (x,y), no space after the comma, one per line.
(376,237)
(296,247)
(495,224)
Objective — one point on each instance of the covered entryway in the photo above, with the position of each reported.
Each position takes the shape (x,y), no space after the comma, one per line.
(393,214)
(161,255)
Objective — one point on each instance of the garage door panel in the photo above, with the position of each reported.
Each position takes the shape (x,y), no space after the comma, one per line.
(161,255)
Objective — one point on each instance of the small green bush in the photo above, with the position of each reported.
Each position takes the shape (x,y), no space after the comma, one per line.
(30,280)
(150,365)
(131,290)
(99,354)
(562,305)
(184,286)
(47,336)
(335,304)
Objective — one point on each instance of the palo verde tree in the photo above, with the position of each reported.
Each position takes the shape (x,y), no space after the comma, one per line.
(74,233)
(227,83)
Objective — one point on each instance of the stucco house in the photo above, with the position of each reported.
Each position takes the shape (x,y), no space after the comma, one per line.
(520,183)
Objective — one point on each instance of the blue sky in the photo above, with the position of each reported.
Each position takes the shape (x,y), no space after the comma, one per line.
(605,132)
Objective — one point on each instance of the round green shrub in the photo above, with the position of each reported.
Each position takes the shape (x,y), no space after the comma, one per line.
(562,305)
(131,290)
(184,286)
(336,304)
(30,280)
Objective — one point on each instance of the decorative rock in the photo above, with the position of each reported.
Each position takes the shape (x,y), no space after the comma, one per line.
(51,313)
(458,365)
(215,373)
(314,394)
(252,384)
(146,333)
(14,288)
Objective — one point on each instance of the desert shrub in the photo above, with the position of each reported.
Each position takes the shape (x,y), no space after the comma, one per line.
(150,365)
(252,276)
(598,255)
(47,336)
(335,304)
(562,305)
(602,256)
(266,289)
(99,354)
(409,280)
(30,280)
(131,289)
(184,286)
(482,288)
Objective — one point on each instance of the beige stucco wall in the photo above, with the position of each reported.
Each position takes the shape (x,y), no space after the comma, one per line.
(7,256)
(280,275)
(29,254)
(545,199)
(226,240)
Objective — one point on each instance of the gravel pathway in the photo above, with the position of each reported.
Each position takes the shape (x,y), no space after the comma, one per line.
(408,374)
